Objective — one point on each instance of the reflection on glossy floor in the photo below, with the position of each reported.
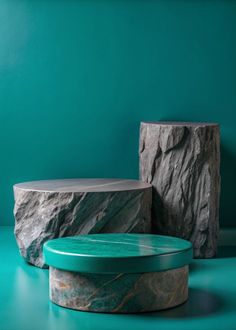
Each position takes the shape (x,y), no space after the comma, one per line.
(25,305)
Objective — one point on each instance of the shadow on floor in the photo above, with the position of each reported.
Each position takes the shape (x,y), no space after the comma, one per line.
(200,303)
(228,182)
(226,252)
(223,253)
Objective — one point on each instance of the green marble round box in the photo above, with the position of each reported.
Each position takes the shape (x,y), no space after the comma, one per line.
(118,273)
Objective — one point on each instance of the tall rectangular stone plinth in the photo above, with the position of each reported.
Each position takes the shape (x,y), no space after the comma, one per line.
(182,162)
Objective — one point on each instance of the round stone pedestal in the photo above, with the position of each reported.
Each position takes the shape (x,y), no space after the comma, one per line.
(118,273)
(119,293)
(56,208)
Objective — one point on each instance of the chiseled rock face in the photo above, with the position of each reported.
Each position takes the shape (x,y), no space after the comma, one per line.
(41,215)
(182,162)
(119,293)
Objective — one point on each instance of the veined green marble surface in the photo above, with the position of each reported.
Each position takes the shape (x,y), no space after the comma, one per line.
(114,253)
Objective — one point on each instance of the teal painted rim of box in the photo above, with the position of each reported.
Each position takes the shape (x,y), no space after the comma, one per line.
(58,255)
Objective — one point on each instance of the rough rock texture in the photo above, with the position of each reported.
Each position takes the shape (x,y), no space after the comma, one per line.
(49,209)
(119,293)
(182,161)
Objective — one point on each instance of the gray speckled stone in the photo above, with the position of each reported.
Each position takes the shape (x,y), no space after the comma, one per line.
(182,162)
(119,293)
(49,209)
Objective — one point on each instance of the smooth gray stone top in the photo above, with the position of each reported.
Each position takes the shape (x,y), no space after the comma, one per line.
(83,185)
(179,123)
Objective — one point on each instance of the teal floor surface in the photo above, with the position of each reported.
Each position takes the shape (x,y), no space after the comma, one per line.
(25,304)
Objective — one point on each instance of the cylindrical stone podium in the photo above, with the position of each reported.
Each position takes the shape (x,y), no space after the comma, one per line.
(55,208)
(182,162)
(118,273)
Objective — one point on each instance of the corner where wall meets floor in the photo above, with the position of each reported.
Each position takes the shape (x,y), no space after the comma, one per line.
(77,77)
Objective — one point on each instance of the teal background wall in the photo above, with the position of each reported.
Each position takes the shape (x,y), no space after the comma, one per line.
(77,77)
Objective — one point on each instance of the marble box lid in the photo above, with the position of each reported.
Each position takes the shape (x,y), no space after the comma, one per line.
(117,253)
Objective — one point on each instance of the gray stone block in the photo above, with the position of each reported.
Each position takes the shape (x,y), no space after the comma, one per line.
(119,293)
(182,162)
(56,208)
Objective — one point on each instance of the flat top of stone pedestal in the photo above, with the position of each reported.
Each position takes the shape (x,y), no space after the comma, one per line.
(114,253)
(179,123)
(83,185)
